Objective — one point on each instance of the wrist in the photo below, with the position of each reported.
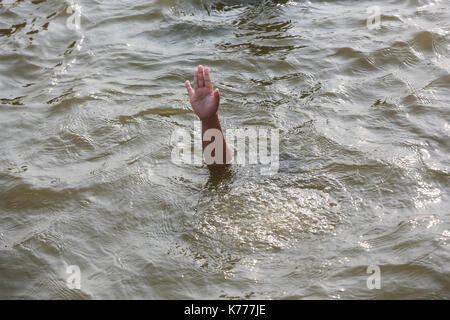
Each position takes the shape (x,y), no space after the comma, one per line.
(210,120)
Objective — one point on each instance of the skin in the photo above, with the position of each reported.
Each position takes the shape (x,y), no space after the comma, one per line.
(205,102)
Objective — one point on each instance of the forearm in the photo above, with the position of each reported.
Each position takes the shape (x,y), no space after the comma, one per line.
(212,159)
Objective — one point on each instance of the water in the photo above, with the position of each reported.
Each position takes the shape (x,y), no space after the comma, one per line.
(86,176)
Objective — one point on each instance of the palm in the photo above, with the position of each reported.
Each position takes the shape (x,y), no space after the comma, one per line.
(204,100)
(204,103)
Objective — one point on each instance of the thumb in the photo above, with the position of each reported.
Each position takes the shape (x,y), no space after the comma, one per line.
(217,95)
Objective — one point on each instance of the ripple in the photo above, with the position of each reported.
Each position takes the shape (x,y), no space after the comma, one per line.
(86,172)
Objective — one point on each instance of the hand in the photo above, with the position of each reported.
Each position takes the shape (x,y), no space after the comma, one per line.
(204,100)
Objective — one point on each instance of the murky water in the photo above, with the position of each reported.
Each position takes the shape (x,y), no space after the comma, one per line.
(86,176)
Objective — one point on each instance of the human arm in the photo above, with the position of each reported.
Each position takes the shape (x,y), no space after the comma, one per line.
(205,101)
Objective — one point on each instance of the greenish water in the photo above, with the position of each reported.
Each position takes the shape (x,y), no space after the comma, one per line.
(86,176)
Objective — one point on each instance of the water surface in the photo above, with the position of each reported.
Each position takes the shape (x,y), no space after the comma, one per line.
(86,176)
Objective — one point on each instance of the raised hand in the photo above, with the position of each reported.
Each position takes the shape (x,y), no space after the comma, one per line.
(204,100)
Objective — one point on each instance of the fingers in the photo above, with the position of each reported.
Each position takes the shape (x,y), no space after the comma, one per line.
(189,89)
(208,83)
(196,79)
(201,80)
